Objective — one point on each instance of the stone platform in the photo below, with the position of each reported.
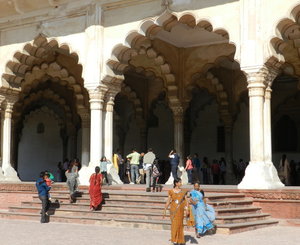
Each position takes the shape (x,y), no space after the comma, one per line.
(130,206)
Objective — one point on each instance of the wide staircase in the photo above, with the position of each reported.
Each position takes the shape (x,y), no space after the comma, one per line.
(139,209)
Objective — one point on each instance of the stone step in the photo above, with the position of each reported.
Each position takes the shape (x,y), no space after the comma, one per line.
(116,222)
(86,206)
(111,210)
(231,203)
(115,194)
(230,219)
(136,223)
(129,193)
(124,200)
(87,213)
(214,197)
(245,226)
(236,210)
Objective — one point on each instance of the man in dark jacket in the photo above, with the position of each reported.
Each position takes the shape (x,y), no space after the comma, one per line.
(43,191)
(174,161)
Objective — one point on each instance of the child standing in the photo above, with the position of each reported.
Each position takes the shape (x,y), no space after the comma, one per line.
(155,175)
(48,183)
(103,168)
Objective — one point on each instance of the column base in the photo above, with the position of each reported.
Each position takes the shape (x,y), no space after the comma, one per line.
(2,177)
(181,173)
(86,172)
(10,174)
(260,175)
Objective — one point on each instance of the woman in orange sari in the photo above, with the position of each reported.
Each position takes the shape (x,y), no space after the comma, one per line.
(95,189)
(177,201)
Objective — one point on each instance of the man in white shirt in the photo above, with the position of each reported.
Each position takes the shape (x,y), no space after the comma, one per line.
(149,158)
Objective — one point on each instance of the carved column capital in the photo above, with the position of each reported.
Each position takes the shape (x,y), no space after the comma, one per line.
(85,118)
(97,98)
(260,79)
(110,100)
(8,109)
(178,113)
(268,93)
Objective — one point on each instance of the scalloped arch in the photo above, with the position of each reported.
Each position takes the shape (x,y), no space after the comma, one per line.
(44,94)
(132,97)
(42,111)
(36,53)
(42,73)
(216,88)
(139,43)
(286,40)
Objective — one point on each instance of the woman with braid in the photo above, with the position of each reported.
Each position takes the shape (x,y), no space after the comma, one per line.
(95,189)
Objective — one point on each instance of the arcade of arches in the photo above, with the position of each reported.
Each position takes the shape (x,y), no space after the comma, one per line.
(174,80)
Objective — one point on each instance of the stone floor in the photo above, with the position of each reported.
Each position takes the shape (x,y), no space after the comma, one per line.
(13,232)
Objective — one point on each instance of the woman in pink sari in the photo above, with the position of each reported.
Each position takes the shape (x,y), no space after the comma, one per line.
(95,189)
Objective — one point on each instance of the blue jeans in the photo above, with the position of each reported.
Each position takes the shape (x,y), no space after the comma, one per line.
(148,178)
(174,170)
(134,170)
(190,176)
(45,208)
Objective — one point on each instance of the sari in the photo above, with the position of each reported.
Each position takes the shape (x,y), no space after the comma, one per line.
(204,214)
(95,190)
(177,206)
(72,182)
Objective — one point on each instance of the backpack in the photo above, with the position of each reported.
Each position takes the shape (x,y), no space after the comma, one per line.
(155,171)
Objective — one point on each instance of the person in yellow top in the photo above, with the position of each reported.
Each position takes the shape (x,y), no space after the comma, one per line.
(118,164)
(134,158)
(115,162)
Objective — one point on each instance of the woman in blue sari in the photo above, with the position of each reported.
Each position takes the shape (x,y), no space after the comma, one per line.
(204,214)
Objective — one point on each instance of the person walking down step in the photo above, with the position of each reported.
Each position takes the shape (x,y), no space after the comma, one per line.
(43,192)
(178,202)
(72,175)
(204,214)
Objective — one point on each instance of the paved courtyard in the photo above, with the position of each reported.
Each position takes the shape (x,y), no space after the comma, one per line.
(13,232)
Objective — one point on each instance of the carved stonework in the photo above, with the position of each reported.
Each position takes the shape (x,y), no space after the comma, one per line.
(97,98)
(260,80)
(178,113)
(278,195)
(268,93)
(85,118)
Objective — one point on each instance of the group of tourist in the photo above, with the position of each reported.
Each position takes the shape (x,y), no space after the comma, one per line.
(200,215)
(138,168)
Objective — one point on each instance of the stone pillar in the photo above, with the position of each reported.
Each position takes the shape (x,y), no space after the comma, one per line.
(229,154)
(144,138)
(178,132)
(113,175)
(108,126)
(267,126)
(2,178)
(96,134)
(96,137)
(259,174)
(85,137)
(270,168)
(9,172)
(72,142)
(178,143)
